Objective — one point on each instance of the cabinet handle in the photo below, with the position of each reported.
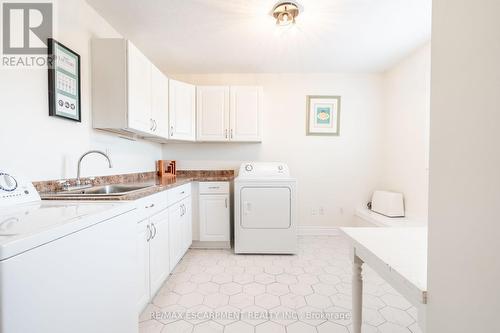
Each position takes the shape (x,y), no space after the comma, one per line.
(154,234)
(155,125)
(171,130)
(149,233)
(231,133)
(225,133)
(150,206)
(226,202)
(214,187)
(152,124)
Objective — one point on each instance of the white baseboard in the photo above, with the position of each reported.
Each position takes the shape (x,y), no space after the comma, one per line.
(196,244)
(318,231)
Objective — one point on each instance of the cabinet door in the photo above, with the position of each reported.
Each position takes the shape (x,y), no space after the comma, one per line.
(159,251)
(246,114)
(175,234)
(212,109)
(159,102)
(187,225)
(182,109)
(139,90)
(142,236)
(214,217)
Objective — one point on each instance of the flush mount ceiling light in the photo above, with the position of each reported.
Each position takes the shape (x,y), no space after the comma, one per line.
(285,12)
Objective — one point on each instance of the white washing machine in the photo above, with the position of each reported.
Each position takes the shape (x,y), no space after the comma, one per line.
(65,266)
(265,209)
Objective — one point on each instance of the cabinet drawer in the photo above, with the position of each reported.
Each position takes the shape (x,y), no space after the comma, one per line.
(152,204)
(214,187)
(178,193)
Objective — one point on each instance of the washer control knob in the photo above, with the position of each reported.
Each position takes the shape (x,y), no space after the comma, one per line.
(7,182)
(248,167)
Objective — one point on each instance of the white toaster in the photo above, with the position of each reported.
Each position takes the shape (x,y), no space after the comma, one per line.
(387,203)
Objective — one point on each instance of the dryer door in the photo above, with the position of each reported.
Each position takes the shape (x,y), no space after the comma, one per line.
(265,207)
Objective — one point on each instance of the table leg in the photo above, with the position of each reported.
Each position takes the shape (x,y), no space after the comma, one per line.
(357,294)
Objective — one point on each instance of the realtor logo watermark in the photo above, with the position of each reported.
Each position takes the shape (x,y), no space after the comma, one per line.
(26,28)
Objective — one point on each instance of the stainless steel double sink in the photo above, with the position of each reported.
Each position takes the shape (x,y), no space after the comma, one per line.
(103,191)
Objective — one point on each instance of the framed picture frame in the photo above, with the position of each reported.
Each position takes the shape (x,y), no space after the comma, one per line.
(323,115)
(64,81)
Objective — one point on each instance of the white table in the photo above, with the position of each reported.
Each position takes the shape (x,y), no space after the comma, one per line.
(399,256)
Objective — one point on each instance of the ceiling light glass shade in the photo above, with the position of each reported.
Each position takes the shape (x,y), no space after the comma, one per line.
(285,12)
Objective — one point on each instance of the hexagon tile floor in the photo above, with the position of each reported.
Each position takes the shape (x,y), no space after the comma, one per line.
(218,291)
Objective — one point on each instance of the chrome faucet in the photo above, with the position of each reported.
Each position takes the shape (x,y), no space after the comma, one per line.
(78,181)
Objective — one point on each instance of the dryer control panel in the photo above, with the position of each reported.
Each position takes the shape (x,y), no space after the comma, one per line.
(264,170)
(14,191)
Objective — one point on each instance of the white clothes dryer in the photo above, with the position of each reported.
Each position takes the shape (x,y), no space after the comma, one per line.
(265,209)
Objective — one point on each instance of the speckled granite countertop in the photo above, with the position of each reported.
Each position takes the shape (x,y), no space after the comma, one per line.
(48,189)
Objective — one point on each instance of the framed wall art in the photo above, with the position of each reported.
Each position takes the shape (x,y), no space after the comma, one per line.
(323,115)
(64,82)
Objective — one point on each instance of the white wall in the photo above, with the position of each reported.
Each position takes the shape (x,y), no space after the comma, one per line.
(464,223)
(42,147)
(406,131)
(337,173)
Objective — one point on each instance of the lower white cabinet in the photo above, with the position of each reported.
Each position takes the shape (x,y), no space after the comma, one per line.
(180,230)
(163,235)
(175,230)
(159,259)
(143,262)
(214,212)
(153,254)
(187,224)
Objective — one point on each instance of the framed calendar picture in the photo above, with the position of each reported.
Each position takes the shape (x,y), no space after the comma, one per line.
(64,82)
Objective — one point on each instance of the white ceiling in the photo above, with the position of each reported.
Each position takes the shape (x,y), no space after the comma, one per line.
(239,36)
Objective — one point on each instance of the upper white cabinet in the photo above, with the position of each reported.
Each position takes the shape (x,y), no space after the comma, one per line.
(129,94)
(212,106)
(229,113)
(182,107)
(159,102)
(132,97)
(246,113)
(139,90)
